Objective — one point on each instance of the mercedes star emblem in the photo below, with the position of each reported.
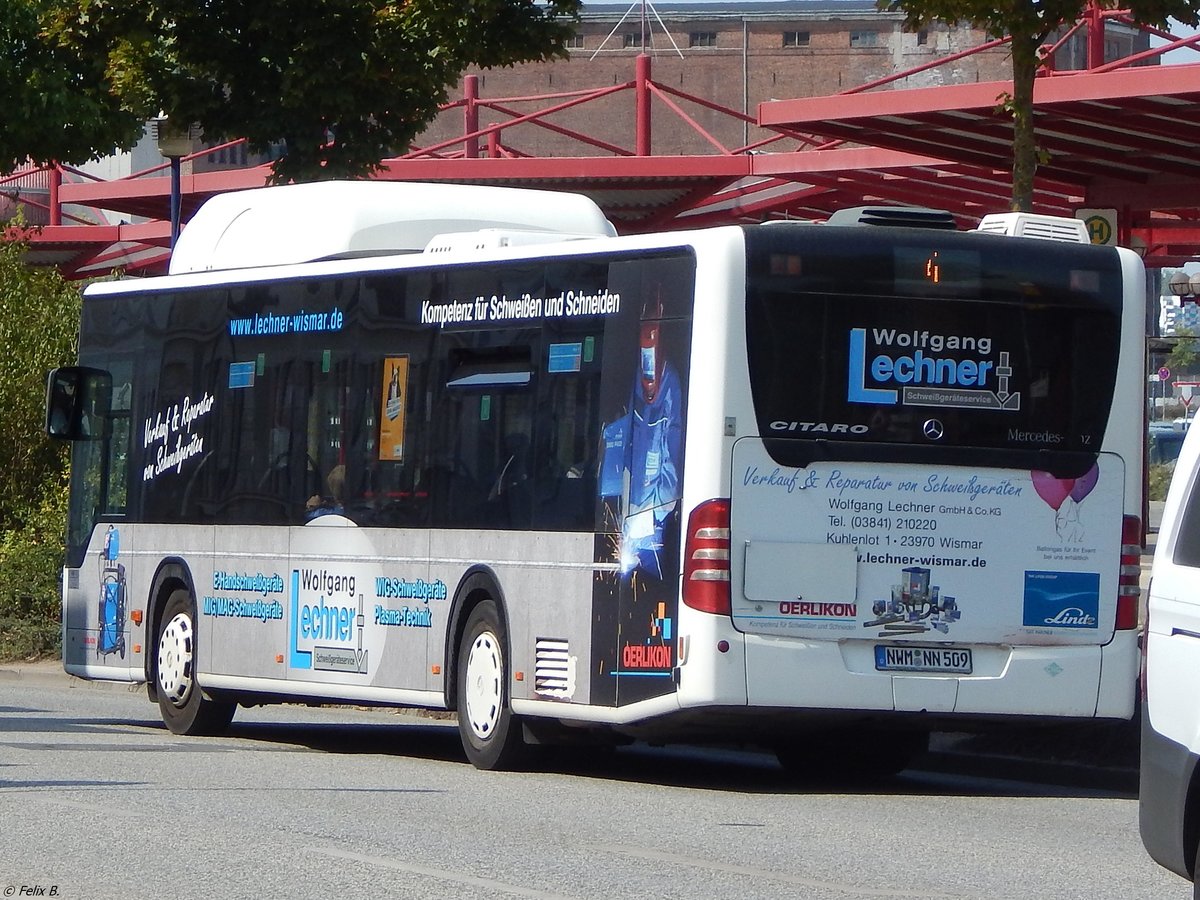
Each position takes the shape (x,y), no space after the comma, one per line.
(934,430)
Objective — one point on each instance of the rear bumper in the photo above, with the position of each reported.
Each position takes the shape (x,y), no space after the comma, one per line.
(1167,769)
(1043,682)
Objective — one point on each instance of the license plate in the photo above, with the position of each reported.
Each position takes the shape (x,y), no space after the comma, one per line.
(901,658)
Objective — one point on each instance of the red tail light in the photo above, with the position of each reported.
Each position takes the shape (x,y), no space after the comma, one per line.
(706,558)
(1129,590)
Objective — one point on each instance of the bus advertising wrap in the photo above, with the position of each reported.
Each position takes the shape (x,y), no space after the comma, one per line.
(939,553)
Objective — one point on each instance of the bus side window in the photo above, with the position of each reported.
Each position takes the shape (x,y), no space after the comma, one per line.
(78,401)
(510,491)
(566,430)
(483,440)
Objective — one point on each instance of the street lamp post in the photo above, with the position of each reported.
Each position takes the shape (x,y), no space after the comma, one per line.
(174,143)
(176,178)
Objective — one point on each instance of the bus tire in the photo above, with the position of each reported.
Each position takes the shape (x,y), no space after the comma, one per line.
(184,708)
(490,733)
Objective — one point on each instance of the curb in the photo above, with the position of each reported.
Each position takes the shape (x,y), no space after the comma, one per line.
(51,673)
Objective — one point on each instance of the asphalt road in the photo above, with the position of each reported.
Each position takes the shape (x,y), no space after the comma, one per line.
(98,800)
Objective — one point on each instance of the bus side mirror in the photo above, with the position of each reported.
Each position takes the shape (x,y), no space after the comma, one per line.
(78,401)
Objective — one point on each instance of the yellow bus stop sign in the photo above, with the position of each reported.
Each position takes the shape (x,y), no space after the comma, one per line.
(1101,225)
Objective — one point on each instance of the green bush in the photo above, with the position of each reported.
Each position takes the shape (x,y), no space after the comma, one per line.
(30,565)
(39,322)
(1160,479)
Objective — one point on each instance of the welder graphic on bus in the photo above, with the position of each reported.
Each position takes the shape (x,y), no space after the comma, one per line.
(112,597)
(644,446)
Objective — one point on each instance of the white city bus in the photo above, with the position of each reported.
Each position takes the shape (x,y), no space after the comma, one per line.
(821,487)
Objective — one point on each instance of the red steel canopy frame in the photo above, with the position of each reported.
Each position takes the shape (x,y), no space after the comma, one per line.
(1117,137)
(1121,139)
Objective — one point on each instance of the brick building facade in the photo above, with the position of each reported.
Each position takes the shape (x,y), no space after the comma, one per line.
(736,55)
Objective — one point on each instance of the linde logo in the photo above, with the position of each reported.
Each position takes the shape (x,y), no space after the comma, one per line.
(910,367)
(1072,617)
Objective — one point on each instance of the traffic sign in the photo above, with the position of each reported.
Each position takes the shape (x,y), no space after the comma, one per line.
(1101,225)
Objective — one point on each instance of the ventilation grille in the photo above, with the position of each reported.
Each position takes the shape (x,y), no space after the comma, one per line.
(495,238)
(554,669)
(1048,228)
(898,216)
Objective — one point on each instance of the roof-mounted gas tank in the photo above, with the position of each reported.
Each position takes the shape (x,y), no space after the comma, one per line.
(1015,224)
(296,223)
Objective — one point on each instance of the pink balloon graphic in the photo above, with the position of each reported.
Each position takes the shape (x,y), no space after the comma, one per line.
(1084,483)
(1053,490)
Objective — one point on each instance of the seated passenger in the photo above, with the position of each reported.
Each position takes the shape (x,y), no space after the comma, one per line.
(330,503)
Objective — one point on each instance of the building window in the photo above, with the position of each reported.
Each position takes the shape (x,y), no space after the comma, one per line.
(235,155)
(795,39)
(864,38)
(702,39)
(629,39)
(575,42)
(922,38)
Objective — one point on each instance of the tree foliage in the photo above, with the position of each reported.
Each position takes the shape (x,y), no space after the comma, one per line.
(53,107)
(1184,351)
(341,83)
(39,320)
(1030,23)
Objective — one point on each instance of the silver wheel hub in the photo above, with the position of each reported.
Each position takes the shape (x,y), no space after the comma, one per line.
(175,660)
(484,687)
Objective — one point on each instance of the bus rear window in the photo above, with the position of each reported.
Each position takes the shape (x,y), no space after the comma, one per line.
(974,341)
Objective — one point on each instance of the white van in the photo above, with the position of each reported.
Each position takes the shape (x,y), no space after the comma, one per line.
(1169,807)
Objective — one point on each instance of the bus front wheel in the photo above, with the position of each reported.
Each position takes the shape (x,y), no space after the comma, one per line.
(491,734)
(184,708)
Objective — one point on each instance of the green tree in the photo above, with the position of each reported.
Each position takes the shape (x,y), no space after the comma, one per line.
(39,316)
(341,83)
(1183,353)
(1030,23)
(52,109)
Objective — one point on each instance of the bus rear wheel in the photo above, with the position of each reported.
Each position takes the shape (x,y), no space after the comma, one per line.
(491,734)
(184,708)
